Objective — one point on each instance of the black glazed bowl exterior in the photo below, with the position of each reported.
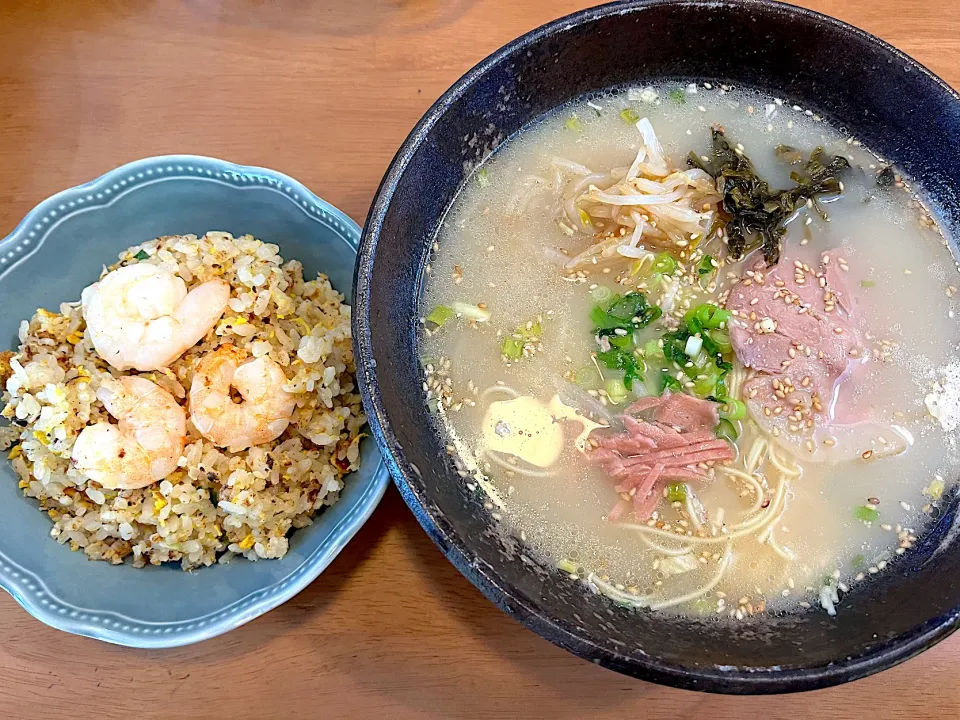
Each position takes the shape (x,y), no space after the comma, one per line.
(895,106)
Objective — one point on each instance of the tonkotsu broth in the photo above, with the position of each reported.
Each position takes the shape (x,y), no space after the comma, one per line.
(491,251)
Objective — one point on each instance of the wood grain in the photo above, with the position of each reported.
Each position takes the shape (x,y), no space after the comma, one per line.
(326,91)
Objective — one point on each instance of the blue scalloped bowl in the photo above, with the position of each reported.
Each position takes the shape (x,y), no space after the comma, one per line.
(59,248)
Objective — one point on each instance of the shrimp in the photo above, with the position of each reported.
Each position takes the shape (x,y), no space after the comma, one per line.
(141,316)
(262,415)
(146,444)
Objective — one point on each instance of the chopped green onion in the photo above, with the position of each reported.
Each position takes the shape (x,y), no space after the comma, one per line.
(705,316)
(733,409)
(440,315)
(721,388)
(627,312)
(664,263)
(935,489)
(471,311)
(142,255)
(705,386)
(214,498)
(629,306)
(669,382)
(616,391)
(702,606)
(867,283)
(574,124)
(584,218)
(674,345)
(567,566)
(534,332)
(717,341)
(623,359)
(677,492)
(678,95)
(601,294)
(636,267)
(586,377)
(512,348)
(693,346)
(482,179)
(630,116)
(728,430)
(866,514)
(652,350)
(707,368)
(706,265)
(859,561)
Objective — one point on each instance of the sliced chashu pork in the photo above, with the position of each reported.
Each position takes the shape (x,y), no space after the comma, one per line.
(798,327)
(675,443)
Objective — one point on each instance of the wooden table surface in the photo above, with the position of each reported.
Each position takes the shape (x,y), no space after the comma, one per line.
(326,91)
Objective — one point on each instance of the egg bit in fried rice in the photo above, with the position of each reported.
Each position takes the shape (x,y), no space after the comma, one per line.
(198,403)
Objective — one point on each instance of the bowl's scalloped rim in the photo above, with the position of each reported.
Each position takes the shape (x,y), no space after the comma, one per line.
(717,679)
(26,586)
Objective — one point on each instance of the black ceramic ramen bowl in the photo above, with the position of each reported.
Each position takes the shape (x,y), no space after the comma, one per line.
(897,107)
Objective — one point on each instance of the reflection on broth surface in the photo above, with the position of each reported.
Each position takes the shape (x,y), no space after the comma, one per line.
(689,389)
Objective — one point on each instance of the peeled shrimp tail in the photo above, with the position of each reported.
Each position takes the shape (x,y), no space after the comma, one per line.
(201,309)
(141,316)
(143,447)
(264,411)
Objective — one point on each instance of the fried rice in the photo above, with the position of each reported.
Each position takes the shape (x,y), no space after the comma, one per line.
(217,505)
